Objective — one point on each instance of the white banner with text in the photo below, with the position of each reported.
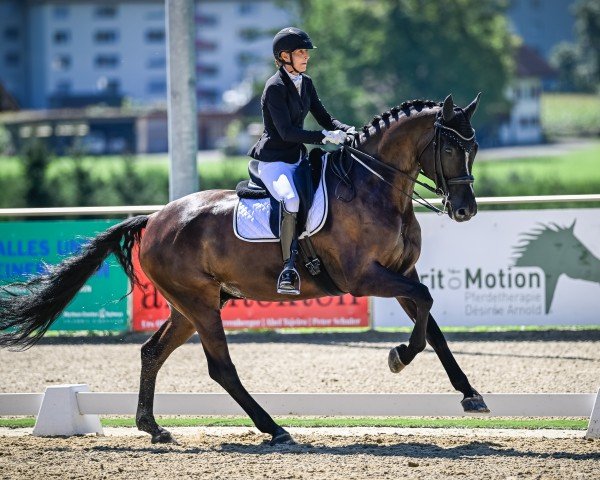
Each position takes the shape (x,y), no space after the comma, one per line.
(524,267)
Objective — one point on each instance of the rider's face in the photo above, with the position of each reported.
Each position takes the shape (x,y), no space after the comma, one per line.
(300,59)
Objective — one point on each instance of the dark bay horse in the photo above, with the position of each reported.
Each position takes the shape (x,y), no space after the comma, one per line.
(370,246)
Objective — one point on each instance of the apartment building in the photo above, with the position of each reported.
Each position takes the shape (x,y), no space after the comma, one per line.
(61,53)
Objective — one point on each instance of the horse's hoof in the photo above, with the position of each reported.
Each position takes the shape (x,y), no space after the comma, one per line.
(282,437)
(394,361)
(475,405)
(164,436)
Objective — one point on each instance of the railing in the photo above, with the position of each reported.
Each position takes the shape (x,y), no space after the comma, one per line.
(73,409)
(147,209)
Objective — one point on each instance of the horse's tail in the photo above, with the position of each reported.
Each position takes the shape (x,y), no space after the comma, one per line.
(26,315)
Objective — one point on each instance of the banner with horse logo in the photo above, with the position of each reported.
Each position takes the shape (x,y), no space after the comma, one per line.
(526,267)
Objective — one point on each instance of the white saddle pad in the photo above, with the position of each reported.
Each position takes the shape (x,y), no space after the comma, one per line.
(251,216)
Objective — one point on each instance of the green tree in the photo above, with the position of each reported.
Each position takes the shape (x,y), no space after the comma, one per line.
(130,184)
(36,157)
(85,187)
(565,58)
(578,63)
(587,24)
(375,54)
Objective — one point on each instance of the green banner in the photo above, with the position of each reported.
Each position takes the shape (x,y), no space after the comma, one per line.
(26,246)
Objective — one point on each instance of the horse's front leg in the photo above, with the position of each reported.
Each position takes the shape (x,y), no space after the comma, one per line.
(382,282)
(472,402)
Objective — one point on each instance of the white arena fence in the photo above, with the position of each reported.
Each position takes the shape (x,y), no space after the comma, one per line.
(73,409)
(148,209)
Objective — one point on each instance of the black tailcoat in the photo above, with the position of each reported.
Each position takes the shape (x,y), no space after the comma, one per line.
(284,111)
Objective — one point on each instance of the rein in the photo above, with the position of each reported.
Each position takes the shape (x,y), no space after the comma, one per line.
(441,183)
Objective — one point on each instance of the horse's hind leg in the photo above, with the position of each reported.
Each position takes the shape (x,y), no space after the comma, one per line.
(207,320)
(172,334)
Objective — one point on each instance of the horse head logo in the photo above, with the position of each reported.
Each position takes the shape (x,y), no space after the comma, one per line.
(556,250)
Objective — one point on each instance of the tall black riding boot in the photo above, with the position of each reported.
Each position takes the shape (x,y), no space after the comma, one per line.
(289,279)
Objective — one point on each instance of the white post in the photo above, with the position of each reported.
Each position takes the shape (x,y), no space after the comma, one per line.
(181,86)
(593,430)
(59,413)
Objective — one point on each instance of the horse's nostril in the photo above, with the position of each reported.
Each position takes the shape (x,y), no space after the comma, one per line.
(461,212)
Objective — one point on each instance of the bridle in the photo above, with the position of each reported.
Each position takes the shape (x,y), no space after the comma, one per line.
(465,143)
(442,183)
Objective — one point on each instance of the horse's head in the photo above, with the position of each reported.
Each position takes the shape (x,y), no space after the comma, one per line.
(448,158)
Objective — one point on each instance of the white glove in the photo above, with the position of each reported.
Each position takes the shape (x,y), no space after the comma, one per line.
(336,136)
(351,131)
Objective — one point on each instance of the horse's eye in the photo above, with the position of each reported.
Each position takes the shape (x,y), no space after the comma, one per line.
(448,150)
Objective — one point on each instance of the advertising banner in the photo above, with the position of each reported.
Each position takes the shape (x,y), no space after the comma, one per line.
(526,267)
(150,310)
(25,249)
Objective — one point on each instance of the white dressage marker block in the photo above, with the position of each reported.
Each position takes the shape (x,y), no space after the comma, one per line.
(59,413)
(593,430)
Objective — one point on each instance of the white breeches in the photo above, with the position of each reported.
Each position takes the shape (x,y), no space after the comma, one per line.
(278,177)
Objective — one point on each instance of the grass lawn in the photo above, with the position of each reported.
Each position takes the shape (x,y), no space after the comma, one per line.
(570,114)
(412,422)
(571,173)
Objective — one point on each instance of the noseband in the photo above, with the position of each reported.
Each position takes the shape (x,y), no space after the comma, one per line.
(466,144)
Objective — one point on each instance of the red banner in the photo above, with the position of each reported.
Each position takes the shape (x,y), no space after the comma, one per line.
(150,310)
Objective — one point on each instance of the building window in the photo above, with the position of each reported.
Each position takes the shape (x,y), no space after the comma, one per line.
(61,37)
(106,36)
(251,33)
(106,60)
(12,59)
(61,62)
(156,35)
(205,45)
(60,12)
(63,87)
(156,62)
(157,86)
(111,85)
(108,85)
(207,95)
(247,8)
(105,12)
(205,20)
(207,70)
(11,34)
(247,58)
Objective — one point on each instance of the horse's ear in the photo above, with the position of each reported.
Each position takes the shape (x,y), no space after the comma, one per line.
(470,110)
(572,227)
(448,109)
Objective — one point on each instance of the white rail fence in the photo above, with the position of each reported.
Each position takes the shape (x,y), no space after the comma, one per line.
(73,409)
(148,209)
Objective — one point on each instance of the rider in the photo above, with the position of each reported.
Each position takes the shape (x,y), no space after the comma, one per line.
(286,100)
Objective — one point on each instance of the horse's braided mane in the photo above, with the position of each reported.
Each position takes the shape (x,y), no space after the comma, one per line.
(386,119)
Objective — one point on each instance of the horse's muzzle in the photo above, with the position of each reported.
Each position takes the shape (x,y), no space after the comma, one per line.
(462,213)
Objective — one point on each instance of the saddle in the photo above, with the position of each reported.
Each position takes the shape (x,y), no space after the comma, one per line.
(256,208)
(306,180)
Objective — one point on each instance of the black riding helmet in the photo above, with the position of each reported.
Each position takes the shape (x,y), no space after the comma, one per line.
(288,40)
